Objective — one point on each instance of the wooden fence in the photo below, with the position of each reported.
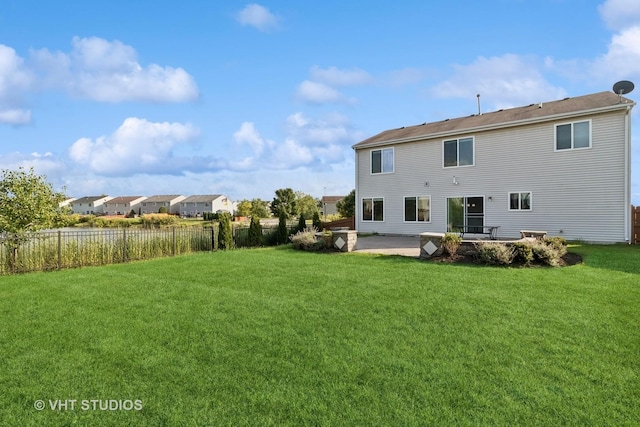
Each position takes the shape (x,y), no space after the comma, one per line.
(347,222)
(635,224)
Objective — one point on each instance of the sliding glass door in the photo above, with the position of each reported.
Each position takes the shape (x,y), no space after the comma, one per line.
(467,212)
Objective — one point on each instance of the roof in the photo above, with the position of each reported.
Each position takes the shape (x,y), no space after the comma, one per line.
(331,199)
(89,199)
(124,199)
(163,198)
(202,199)
(597,102)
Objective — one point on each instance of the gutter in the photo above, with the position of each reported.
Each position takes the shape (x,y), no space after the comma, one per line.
(504,125)
(627,175)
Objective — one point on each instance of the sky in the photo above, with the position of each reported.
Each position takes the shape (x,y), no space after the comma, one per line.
(230,97)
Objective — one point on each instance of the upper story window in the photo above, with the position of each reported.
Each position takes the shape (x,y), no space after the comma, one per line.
(571,136)
(382,161)
(458,152)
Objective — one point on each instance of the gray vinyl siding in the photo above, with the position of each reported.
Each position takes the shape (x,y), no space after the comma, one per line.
(576,194)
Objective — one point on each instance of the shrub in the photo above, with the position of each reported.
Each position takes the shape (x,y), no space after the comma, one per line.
(317,223)
(451,243)
(523,252)
(557,243)
(283,233)
(255,232)
(157,220)
(546,253)
(305,239)
(494,253)
(302,223)
(225,233)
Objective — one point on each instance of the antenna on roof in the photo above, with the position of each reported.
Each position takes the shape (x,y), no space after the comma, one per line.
(479,112)
(623,87)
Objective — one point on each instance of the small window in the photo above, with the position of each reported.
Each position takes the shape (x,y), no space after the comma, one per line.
(520,201)
(572,136)
(373,209)
(417,209)
(458,152)
(382,161)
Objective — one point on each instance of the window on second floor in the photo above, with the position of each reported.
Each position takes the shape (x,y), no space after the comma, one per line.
(382,161)
(458,152)
(572,136)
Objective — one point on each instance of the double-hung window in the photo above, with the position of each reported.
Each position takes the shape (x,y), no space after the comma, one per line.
(572,136)
(458,152)
(373,209)
(417,209)
(520,201)
(382,161)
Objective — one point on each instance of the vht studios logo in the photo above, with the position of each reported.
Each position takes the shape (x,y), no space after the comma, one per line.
(89,405)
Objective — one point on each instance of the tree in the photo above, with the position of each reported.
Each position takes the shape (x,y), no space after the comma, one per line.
(347,206)
(162,210)
(225,233)
(306,204)
(283,231)
(244,208)
(28,203)
(302,223)
(284,202)
(317,223)
(259,208)
(255,232)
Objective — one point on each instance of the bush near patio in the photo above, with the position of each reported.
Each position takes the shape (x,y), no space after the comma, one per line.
(548,251)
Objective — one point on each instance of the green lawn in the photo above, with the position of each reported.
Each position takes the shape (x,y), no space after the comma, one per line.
(279,337)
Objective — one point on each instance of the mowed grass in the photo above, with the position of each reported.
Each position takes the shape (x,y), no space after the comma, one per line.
(280,337)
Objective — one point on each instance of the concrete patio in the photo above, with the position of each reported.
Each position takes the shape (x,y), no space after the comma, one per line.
(390,245)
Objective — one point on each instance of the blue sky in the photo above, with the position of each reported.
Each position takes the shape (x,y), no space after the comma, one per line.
(238,98)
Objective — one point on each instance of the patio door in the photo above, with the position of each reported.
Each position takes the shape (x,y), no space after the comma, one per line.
(467,212)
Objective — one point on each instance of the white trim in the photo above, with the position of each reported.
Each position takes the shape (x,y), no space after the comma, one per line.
(373,215)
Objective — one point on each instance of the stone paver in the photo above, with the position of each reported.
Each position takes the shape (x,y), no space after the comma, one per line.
(390,245)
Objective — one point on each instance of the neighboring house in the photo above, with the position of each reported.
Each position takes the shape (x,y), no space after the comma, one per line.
(329,205)
(562,167)
(123,205)
(170,202)
(89,205)
(195,206)
(66,203)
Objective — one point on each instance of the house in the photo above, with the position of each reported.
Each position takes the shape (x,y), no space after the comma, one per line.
(195,206)
(561,166)
(329,205)
(154,203)
(89,205)
(123,205)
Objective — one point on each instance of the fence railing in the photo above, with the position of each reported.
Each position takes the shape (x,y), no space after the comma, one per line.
(60,249)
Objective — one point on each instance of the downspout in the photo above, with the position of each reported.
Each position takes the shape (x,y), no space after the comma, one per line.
(356,210)
(627,175)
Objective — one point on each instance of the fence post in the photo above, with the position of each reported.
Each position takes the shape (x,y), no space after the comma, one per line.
(173,241)
(124,245)
(59,249)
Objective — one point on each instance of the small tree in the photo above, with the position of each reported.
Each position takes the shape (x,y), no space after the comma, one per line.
(163,209)
(285,201)
(283,231)
(255,232)
(225,233)
(244,208)
(302,223)
(317,223)
(347,206)
(28,203)
(259,209)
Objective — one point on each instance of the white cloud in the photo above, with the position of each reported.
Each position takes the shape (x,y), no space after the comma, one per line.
(43,163)
(319,93)
(247,134)
(139,146)
(109,71)
(622,59)
(507,81)
(620,14)
(257,16)
(335,77)
(15,81)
